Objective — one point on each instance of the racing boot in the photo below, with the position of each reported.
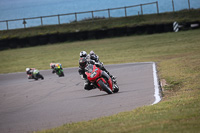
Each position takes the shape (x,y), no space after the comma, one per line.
(112,77)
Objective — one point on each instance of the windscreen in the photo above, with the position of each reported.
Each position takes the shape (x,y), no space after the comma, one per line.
(89,68)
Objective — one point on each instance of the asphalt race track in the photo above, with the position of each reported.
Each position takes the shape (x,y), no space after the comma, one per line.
(28,105)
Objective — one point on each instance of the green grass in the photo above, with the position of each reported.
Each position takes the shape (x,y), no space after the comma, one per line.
(180,16)
(178,60)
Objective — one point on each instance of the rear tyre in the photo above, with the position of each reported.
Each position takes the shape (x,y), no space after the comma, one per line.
(105,87)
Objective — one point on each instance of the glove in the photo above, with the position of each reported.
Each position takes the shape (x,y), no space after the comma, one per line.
(98,64)
(92,62)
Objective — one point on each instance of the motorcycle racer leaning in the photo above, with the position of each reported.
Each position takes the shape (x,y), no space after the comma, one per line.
(30,73)
(55,66)
(91,58)
(94,59)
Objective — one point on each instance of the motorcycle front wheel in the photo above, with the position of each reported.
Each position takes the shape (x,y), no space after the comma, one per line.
(116,88)
(60,73)
(105,87)
(40,76)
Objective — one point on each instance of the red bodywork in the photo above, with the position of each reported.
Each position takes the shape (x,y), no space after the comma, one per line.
(94,74)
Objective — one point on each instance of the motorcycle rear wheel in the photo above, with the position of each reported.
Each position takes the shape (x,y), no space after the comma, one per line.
(105,87)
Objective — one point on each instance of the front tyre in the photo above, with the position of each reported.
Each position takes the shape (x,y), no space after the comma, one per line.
(61,74)
(115,88)
(105,87)
(40,76)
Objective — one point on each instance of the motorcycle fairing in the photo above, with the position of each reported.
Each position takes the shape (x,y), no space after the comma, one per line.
(93,73)
(107,77)
(109,80)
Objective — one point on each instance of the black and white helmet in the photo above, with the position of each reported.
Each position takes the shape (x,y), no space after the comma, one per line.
(83,54)
(28,69)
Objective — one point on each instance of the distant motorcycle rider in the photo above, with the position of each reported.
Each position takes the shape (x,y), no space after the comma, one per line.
(55,67)
(30,73)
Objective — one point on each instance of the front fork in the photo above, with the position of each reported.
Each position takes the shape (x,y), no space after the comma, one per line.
(108,78)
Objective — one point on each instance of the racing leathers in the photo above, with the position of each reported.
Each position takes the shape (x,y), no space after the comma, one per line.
(82,68)
(87,84)
(95,58)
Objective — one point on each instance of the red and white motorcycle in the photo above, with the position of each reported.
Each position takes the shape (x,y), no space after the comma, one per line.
(101,79)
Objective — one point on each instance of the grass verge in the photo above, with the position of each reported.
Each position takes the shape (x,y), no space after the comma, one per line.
(178,58)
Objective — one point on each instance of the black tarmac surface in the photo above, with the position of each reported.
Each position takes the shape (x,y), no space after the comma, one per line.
(28,105)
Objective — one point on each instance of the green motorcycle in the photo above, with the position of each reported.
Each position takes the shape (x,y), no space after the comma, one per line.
(59,72)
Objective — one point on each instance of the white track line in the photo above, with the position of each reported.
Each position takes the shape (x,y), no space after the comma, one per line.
(156,85)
